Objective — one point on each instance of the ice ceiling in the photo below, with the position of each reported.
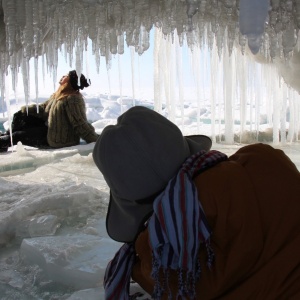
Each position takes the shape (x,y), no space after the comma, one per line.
(267,30)
(31,28)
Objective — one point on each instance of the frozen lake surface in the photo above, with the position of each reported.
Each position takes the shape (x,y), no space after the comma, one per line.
(53,204)
(52,222)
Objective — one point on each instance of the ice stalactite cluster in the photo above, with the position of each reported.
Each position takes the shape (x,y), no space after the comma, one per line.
(243,100)
(35,29)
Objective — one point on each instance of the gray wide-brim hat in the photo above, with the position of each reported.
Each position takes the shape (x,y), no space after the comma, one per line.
(137,157)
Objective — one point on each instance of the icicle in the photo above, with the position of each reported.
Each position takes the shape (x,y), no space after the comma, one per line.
(87,69)
(242,87)
(43,67)
(78,64)
(97,61)
(36,28)
(157,87)
(258,91)
(297,116)
(167,79)
(252,18)
(290,131)
(229,66)
(109,84)
(9,10)
(196,67)
(120,44)
(6,100)
(220,95)
(178,51)
(289,40)
(14,76)
(132,75)
(2,83)
(120,82)
(36,77)
(276,114)
(26,80)
(113,42)
(213,89)
(28,30)
(283,115)
(145,39)
(171,75)
(20,13)
(139,78)
(192,9)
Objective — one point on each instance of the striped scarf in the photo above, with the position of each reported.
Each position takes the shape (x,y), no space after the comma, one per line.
(176,229)
(178,226)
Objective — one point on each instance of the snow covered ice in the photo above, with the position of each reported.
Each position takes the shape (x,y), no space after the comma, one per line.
(52,215)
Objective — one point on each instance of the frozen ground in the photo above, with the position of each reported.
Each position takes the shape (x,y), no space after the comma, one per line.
(52,218)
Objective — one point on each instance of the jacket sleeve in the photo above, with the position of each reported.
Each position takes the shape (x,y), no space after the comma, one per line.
(76,112)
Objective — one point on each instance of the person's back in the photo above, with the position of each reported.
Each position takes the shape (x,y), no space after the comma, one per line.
(67,122)
(252,205)
(181,207)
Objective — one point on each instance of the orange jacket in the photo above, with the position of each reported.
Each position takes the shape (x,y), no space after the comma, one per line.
(252,203)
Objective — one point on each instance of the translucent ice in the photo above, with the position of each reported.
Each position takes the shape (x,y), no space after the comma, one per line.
(38,226)
(252,19)
(78,260)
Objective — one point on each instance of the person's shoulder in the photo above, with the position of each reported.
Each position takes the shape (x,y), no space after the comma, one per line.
(74,98)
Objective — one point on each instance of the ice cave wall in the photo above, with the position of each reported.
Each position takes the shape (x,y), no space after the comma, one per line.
(32,28)
(267,30)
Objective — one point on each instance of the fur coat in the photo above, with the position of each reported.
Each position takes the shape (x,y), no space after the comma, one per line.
(252,204)
(66,120)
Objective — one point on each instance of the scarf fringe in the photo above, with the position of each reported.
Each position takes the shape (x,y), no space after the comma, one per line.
(187,285)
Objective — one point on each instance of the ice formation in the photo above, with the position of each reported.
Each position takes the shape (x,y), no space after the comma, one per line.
(266,30)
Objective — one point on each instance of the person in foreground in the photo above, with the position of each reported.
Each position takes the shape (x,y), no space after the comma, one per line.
(59,122)
(195,223)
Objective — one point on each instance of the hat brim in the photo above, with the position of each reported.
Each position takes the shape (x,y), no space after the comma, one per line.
(198,142)
(125,219)
(124,222)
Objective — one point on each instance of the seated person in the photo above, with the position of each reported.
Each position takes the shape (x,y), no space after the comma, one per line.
(59,122)
(195,223)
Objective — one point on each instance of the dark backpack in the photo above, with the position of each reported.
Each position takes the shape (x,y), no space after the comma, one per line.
(23,121)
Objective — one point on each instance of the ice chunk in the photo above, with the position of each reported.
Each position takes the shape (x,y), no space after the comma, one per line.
(78,261)
(38,226)
(21,150)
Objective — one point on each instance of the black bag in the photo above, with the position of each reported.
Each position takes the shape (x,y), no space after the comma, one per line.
(23,121)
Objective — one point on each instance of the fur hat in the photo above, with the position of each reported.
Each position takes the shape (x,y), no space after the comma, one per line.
(137,157)
(74,81)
